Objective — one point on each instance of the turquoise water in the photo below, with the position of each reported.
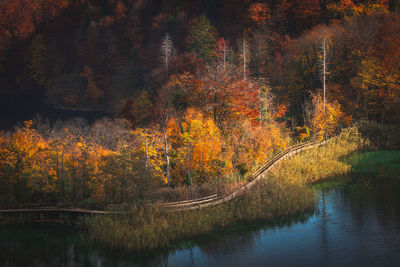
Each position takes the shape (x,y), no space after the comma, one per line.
(356,222)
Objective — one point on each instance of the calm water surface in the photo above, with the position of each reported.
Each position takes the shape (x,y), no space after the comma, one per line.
(356,222)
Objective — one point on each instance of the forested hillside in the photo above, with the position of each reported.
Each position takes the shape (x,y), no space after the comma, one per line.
(120,55)
(207,89)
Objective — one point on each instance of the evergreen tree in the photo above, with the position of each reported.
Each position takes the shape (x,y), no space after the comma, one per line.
(201,39)
(38,58)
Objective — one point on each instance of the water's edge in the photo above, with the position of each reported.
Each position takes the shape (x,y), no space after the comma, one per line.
(356,221)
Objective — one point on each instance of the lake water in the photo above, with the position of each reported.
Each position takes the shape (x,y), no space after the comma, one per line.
(356,222)
(15,109)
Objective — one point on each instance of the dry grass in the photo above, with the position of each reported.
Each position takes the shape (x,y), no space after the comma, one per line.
(151,227)
(195,191)
(322,162)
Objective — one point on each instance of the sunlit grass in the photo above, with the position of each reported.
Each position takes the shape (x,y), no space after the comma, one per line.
(322,162)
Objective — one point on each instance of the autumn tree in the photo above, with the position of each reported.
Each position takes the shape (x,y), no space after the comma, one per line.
(325,120)
(20,160)
(222,51)
(198,149)
(343,9)
(378,85)
(229,98)
(259,13)
(182,91)
(92,91)
(147,156)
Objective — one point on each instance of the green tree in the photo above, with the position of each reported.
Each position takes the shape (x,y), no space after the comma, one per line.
(139,110)
(201,38)
(38,59)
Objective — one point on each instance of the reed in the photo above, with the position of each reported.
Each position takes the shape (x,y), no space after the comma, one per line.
(168,194)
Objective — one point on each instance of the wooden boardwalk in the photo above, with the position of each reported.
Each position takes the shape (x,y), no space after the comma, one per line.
(186,204)
(55,209)
(252,180)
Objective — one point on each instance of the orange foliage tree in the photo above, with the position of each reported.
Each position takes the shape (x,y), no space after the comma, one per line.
(252,144)
(259,13)
(229,98)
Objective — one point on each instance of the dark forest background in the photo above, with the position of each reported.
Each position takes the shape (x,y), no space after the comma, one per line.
(108,55)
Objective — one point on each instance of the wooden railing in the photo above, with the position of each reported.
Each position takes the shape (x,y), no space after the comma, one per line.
(252,180)
(53,209)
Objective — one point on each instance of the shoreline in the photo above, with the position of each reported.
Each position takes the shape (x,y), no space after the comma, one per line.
(287,190)
(284,191)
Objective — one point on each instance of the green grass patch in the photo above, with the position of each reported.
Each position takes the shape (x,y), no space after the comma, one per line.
(380,163)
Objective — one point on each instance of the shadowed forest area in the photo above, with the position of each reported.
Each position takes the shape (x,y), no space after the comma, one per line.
(201,92)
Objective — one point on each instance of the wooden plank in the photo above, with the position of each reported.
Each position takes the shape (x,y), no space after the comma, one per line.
(193,202)
(185,201)
(53,209)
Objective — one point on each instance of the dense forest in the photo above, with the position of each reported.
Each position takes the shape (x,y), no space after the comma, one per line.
(204,91)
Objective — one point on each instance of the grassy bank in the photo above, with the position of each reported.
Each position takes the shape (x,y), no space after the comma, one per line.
(285,191)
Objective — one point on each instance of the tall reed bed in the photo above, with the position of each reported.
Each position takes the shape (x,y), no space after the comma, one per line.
(285,191)
(322,162)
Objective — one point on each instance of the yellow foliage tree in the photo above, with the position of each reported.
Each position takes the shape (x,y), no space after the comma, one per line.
(324,121)
(254,144)
(197,149)
(25,163)
(149,146)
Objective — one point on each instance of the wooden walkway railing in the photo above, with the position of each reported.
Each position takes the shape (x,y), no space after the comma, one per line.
(198,203)
(252,180)
(54,209)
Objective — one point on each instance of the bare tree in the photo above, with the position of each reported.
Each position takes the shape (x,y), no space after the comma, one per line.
(167,51)
(244,54)
(224,53)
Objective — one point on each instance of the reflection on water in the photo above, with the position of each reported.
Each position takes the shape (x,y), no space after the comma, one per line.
(347,229)
(355,223)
